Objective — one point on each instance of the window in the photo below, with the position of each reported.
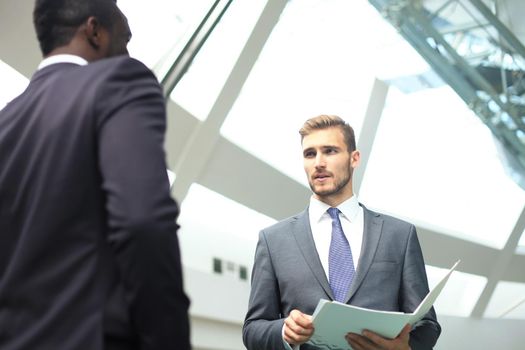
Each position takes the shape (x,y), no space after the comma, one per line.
(217,265)
(243,273)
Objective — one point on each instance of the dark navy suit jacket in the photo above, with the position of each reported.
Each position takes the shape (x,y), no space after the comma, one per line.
(89,257)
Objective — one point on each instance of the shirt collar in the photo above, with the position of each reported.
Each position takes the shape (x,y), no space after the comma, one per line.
(62,58)
(349,208)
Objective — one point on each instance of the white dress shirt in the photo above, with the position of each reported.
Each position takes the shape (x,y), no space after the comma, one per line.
(352,221)
(62,58)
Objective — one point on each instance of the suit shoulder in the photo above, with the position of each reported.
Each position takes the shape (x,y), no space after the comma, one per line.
(117,62)
(120,67)
(388,219)
(284,226)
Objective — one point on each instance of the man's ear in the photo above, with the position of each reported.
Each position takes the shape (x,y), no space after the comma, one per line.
(355,159)
(93,32)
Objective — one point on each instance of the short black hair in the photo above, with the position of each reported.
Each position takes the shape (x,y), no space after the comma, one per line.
(56,21)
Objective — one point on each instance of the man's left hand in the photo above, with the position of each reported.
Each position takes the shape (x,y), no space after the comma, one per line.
(372,341)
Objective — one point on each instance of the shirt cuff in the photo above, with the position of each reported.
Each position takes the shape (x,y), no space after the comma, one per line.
(286,345)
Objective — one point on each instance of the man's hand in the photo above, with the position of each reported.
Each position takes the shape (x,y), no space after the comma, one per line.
(298,328)
(372,341)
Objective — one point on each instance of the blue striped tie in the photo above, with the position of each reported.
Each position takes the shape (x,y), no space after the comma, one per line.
(340,263)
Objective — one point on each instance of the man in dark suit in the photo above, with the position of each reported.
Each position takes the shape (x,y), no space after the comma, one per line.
(89,257)
(336,249)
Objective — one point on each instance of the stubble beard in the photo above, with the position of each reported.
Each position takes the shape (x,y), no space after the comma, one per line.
(337,188)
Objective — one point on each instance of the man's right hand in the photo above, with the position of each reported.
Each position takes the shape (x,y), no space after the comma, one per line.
(298,328)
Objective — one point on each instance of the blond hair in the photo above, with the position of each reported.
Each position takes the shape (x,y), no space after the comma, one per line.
(325,121)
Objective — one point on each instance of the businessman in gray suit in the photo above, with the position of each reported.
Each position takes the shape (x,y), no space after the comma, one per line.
(89,257)
(336,249)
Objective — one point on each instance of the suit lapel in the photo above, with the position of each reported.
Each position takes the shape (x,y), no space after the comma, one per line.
(303,235)
(371,235)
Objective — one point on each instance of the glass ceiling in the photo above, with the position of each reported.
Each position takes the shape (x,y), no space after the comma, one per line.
(199,87)
(311,64)
(453,181)
(161,28)
(445,183)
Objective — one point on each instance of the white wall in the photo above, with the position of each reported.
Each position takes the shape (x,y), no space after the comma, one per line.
(480,334)
(218,306)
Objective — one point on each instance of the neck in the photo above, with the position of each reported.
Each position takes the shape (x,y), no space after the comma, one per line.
(335,199)
(72,49)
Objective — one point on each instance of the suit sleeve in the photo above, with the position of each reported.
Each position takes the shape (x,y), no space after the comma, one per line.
(414,288)
(263,325)
(142,228)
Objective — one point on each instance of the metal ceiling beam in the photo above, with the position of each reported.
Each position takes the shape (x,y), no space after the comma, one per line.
(501,28)
(365,141)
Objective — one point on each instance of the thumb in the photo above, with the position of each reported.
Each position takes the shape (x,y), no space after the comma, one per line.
(405,332)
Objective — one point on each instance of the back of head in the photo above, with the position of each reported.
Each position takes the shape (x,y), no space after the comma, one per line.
(57,21)
(325,121)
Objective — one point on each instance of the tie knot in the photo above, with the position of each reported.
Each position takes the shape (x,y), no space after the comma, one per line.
(333,212)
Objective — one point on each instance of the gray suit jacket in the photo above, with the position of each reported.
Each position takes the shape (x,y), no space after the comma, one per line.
(288,275)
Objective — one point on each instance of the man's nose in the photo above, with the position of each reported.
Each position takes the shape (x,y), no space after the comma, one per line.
(320,161)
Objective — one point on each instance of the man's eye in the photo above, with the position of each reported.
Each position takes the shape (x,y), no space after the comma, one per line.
(309,154)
